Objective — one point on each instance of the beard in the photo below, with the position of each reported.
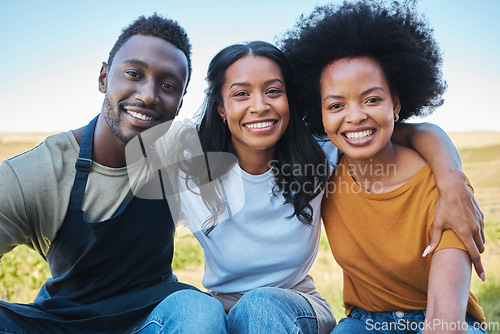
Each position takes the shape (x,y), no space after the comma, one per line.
(112,117)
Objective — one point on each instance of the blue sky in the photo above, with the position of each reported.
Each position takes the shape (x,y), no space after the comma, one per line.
(51,53)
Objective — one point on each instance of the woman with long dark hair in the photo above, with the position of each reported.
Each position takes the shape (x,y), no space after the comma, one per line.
(257,257)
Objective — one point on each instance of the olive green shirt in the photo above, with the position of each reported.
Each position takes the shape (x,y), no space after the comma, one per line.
(35,188)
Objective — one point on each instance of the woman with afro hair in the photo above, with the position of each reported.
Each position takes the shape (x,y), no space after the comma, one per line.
(360,69)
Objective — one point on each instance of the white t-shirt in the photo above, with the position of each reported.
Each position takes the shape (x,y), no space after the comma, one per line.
(255,244)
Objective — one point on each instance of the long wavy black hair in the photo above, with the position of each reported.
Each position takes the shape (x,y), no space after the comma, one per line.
(296,151)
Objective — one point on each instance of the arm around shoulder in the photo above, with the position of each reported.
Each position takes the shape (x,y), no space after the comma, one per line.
(457,208)
(434,145)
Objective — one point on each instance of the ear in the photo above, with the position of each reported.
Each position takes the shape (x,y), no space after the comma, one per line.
(103,77)
(222,111)
(397,105)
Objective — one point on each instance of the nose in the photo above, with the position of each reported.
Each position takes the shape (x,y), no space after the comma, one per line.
(356,115)
(259,104)
(147,93)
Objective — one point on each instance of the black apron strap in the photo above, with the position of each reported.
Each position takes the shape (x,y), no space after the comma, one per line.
(83,165)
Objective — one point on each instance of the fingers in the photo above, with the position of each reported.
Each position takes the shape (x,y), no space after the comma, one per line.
(437,232)
(477,231)
(473,242)
(479,239)
(475,258)
(471,239)
(482,233)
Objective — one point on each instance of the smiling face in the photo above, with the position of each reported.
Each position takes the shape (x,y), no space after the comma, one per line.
(255,105)
(357,107)
(144,85)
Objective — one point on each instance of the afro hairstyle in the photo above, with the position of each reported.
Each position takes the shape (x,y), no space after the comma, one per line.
(392,33)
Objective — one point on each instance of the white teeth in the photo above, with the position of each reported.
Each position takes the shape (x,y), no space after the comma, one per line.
(140,116)
(359,135)
(260,125)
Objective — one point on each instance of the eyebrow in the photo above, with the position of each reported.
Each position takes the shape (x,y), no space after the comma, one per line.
(364,93)
(136,62)
(247,84)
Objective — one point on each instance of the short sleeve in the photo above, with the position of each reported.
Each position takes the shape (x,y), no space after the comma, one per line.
(450,240)
(13,216)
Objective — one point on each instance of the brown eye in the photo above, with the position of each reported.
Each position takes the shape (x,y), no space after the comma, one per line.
(335,106)
(167,85)
(274,91)
(133,74)
(373,100)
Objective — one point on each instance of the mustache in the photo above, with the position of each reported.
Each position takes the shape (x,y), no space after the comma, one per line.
(138,104)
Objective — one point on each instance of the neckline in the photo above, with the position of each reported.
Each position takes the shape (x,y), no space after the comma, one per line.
(256,177)
(357,189)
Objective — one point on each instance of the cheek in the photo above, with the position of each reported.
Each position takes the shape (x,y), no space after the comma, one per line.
(110,101)
(331,124)
(285,116)
(229,110)
(233,118)
(171,101)
(119,93)
(387,120)
(286,121)
(328,121)
(284,111)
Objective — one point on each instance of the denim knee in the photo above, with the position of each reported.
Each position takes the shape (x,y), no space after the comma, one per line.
(186,311)
(351,325)
(272,310)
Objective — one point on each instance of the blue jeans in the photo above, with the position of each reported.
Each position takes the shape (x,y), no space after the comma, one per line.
(272,310)
(185,311)
(400,322)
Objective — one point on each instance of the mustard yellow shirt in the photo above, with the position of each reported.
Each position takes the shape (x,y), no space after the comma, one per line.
(378,240)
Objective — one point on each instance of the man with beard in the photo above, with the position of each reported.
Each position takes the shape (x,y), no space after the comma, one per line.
(109,252)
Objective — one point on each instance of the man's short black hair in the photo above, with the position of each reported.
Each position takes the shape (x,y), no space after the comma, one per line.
(156,26)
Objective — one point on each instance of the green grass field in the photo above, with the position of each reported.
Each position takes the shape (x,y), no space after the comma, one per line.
(23,271)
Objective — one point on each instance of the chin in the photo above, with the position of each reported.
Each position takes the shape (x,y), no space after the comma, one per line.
(352,154)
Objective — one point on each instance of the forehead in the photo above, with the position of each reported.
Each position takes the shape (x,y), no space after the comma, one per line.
(253,67)
(350,68)
(154,52)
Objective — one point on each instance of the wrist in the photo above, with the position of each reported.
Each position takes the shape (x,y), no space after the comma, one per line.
(451,179)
